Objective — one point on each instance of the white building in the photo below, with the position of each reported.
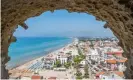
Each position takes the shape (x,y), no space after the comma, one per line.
(93,54)
(82,44)
(49,61)
(83,62)
(120,64)
(72,50)
(101,43)
(62,57)
(121,67)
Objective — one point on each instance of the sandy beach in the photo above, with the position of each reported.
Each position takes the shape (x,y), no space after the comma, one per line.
(34,66)
(24,66)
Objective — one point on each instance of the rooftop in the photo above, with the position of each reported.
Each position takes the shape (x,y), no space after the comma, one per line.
(113,61)
(109,73)
(36,77)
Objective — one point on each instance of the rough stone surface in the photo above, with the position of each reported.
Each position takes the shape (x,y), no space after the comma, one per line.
(117,13)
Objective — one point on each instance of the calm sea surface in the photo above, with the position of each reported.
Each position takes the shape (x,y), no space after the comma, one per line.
(26,49)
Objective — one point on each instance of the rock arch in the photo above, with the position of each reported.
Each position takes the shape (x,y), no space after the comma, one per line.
(117,13)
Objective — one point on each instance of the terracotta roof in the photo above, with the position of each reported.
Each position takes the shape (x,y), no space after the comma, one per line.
(116,72)
(119,73)
(35,77)
(118,52)
(111,61)
(100,73)
(123,60)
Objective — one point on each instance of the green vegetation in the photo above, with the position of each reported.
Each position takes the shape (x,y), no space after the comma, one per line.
(79,77)
(78,74)
(86,75)
(57,64)
(77,59)
(54,66)
(67,65)
(82,57)
(81,54)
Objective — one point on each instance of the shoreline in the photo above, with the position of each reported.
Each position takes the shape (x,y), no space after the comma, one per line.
(48,53)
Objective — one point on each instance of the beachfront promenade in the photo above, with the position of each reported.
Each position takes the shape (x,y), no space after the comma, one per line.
(44,66)
(77,60)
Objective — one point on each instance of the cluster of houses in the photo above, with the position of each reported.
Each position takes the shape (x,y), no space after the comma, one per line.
(47,63)
(63,55)
(105,59)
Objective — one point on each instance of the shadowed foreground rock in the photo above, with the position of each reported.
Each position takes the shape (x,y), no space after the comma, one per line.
(117,13)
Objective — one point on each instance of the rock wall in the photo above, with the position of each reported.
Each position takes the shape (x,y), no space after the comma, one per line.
(117,13)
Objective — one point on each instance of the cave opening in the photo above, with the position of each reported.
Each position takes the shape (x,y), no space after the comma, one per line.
(37,40)
(113,12)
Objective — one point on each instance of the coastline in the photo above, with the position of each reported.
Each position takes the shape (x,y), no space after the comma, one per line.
(48,53)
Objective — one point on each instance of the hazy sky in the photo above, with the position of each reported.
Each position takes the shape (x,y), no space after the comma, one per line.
(61,23)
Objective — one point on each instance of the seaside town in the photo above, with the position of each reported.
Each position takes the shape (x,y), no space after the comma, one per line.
(81,59)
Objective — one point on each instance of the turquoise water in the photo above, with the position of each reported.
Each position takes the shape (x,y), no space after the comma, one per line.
(26,49)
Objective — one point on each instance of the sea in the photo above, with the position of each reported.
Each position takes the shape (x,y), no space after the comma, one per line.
(28,48)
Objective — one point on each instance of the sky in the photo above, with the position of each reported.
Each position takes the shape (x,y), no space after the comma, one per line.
(61,23)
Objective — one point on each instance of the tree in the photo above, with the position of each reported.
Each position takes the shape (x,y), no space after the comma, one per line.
(58,63)
(55,66)
(78,77)
(82,56)
(67,65)
(86,75)
(77,60)
(78,74)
